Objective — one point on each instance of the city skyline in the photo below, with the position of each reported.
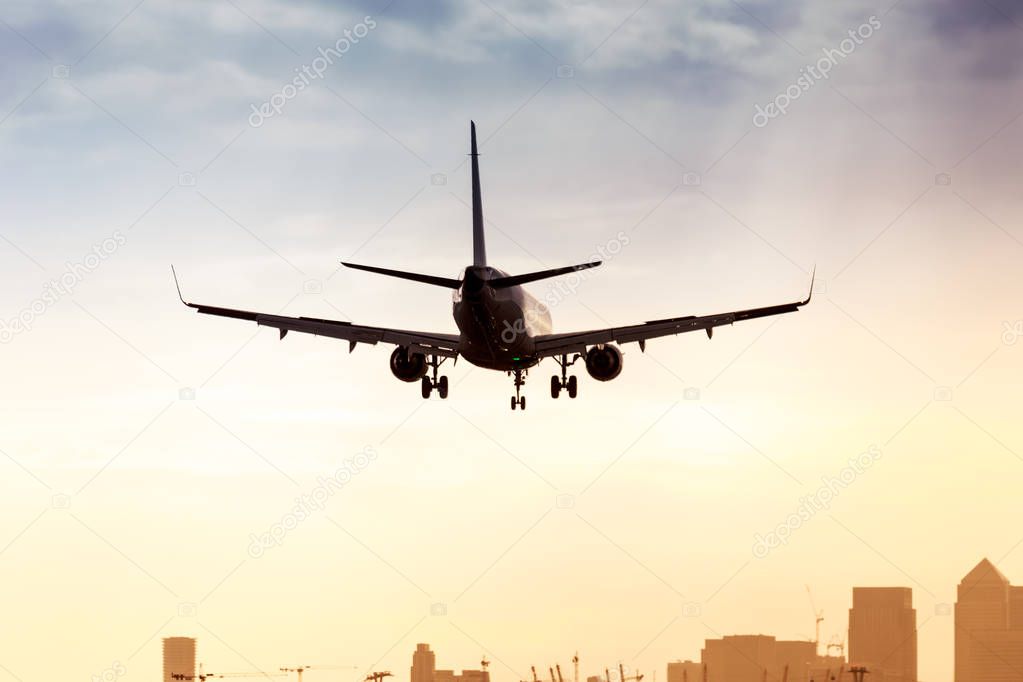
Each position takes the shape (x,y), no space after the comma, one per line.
(286,501)
(881,640)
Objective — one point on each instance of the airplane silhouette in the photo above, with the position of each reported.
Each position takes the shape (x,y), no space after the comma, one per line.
(501,326)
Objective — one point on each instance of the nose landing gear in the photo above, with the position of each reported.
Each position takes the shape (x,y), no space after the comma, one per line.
(439,384)
(520,380)
(569,383)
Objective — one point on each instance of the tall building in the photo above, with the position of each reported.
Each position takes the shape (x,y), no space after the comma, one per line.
(749,658)
(178,657)
(988,626)
(424,664)
(882,633)
(424,669)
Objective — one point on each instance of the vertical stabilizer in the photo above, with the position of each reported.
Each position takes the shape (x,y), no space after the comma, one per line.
(479,246)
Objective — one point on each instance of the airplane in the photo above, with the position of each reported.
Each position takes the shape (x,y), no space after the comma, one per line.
(501,326)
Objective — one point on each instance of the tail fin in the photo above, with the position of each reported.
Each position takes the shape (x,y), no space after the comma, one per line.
(479,246)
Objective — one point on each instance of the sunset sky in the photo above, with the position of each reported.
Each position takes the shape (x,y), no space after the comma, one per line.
(143,447)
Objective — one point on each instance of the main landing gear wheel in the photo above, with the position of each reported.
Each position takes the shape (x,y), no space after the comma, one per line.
(517,399)
(431,383)
(566,382)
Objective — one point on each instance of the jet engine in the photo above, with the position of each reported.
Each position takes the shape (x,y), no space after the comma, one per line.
(408,366)
(604,362)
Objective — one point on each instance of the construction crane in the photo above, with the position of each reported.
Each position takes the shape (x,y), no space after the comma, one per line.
(818,619)
(533,669)
(298,670)
(202,677)
(378,677)
(560,678)
(621,672)
(484,663)
(575,662)
(837,643)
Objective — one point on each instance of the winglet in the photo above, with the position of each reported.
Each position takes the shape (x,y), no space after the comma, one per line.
(176,284)
(809,295)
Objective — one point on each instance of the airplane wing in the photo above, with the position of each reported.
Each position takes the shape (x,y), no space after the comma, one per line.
(444,345)
(576,342)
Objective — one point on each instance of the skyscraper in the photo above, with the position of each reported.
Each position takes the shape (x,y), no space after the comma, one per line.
(989,627)
(178,657)
(424,664)
(882,633)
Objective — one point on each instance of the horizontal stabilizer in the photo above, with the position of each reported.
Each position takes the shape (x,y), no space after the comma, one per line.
(516,280)
(414,276)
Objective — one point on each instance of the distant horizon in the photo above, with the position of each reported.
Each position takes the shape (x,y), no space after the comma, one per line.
(289,498)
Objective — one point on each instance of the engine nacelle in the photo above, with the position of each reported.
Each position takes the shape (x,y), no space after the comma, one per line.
(604,362)
(408,366)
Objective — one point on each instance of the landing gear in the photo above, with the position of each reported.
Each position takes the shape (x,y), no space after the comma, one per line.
(520,380)
(569,383)
(431,383)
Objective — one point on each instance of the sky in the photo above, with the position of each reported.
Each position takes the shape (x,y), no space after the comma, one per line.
(147,453)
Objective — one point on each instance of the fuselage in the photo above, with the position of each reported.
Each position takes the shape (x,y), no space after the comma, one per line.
(497,325)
